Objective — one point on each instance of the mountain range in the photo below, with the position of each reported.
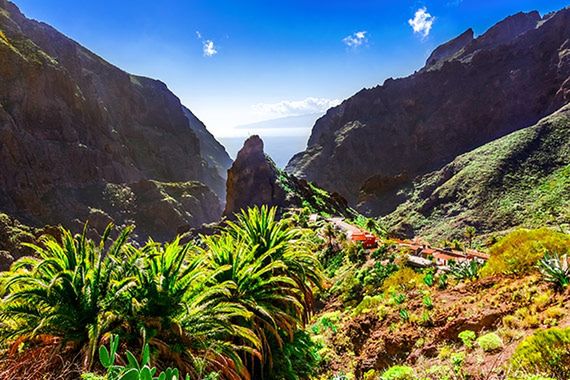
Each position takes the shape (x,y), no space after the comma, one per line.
(431,153)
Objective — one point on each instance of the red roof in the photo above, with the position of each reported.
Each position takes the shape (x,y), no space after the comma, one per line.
(481,255)
(443,256)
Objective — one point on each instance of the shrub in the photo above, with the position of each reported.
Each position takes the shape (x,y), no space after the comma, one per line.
(467,337)
(555,269)
(427,301)
(457,359)
(519,251)
(546,352)
(439,372)
(490,342)
(398,298)
(370,375)
(442,281)
(368,303)
(429,278)
(327,321)
(398,372)
(403,279)
(372,278)
(404,315)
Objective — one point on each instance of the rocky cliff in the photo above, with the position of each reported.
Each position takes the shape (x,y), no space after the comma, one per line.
(471,91)
(72,125)
(254,179)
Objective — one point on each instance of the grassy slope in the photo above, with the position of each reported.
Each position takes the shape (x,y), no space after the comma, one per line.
(522,179)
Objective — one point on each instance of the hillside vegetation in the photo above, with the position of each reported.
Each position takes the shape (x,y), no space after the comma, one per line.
(382,319)
(522,179)
(283,299)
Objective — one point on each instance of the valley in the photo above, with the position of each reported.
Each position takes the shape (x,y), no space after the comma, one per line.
(421,233)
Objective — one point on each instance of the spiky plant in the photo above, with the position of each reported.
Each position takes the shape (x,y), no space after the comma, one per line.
(467,270)
(555,269)
(69,291)
(262,232)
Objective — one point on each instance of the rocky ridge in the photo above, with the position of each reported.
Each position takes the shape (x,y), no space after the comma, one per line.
(254,179)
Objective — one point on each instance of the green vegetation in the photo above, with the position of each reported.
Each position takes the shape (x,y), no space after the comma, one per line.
(555,269)
(520,251)
(519,180)
(467,337)
(234,305)
(490,342)
(133,370)
(398,373)
(546,352)
(240,302)
(3,37)
(466,270)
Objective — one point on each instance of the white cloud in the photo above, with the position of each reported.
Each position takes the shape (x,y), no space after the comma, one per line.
(356,39)
(209,48)
(294,107)
(422,22)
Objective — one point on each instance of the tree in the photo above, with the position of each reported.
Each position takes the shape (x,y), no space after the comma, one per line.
(329,233)
(189,320)
(469,234)
(274,271)
(69,291)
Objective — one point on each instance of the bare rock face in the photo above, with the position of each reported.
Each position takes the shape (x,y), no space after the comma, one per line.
(211,150)
(472,91)
(449,49)
(71,124)
(252,179)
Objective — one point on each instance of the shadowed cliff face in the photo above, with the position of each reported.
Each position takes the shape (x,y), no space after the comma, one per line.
(71,122)
(471,91)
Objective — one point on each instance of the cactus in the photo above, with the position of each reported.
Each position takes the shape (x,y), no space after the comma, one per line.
(133,370)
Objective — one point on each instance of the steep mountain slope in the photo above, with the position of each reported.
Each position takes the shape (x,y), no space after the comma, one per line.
(211,150)
(470,92)
(522,179)
(72,124)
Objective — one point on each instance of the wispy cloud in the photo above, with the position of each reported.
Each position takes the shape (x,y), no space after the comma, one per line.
(208,46)
(355,39)
(422,22)
(294,107)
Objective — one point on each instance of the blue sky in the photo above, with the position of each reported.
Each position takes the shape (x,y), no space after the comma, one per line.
(236,62)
